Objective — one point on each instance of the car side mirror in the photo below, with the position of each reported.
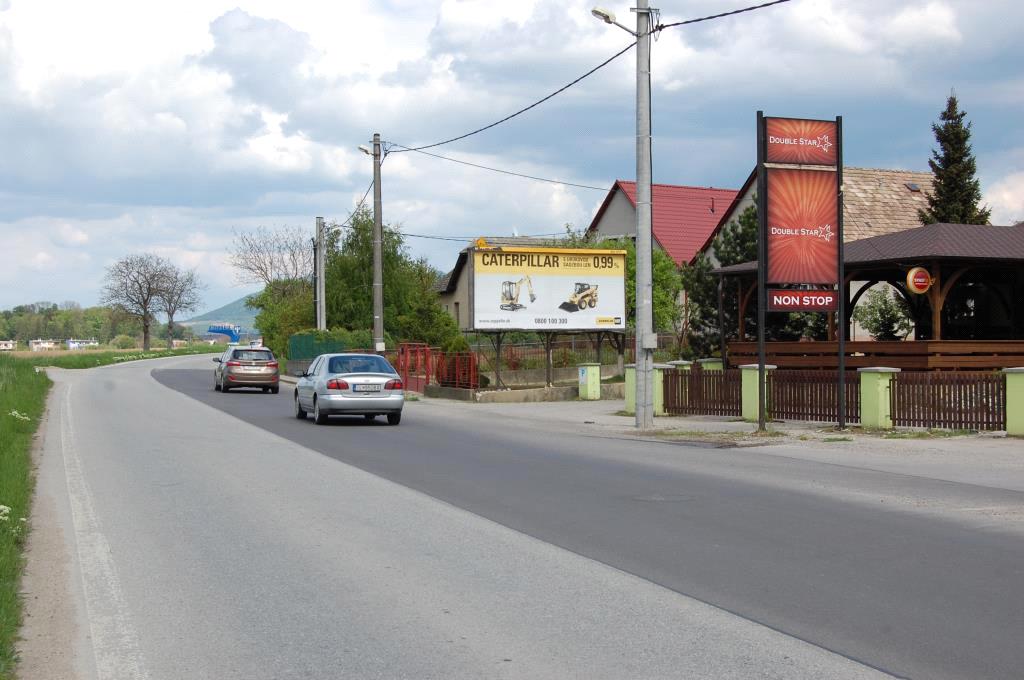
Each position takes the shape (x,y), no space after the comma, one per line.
(301,374)
(216,360)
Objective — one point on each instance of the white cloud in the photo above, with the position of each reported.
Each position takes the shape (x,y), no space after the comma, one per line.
(160,126)
(1006,198)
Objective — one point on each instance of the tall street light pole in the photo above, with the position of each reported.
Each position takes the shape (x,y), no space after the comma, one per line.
(378,257)
(646,339)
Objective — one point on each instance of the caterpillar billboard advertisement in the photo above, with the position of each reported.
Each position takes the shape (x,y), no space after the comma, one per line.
(548,289)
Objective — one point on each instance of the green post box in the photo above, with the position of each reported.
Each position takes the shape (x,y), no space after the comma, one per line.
(590,381)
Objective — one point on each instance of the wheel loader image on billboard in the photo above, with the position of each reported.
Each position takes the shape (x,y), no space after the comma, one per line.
(510,291)
(583,297)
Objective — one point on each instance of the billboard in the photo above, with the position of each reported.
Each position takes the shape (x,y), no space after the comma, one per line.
(548,289)
(801,142)
(802,226)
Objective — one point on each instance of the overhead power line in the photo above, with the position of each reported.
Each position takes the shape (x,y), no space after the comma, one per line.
(610,59)
(718,16)
(527,108)
(504,172)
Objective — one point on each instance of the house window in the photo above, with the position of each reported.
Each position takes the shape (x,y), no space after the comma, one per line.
(458,323)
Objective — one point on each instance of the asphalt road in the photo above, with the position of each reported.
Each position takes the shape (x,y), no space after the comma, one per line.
(914,597)
(241,553)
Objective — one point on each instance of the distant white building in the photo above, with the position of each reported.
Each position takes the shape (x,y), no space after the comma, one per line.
(82,344)
(40,345)
(8,345)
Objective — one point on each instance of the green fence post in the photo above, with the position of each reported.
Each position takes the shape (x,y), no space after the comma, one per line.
(748,391)
(631,389)
(875,390)
(711,364)
(1014,401)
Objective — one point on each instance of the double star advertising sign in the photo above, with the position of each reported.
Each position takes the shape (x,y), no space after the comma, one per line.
(800,246)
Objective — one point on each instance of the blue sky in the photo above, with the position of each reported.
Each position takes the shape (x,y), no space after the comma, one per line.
(163,126)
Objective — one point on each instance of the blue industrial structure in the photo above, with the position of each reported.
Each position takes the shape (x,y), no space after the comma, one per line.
(233,332)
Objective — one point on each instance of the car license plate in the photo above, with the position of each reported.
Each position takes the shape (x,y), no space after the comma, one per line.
(366,388)
(251,369)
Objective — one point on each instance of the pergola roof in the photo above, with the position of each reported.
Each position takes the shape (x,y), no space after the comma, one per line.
(929,243)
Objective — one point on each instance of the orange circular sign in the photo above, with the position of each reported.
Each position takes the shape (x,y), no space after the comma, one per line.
(918,280)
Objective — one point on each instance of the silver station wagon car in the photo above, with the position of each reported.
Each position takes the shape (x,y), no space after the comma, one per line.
(350,384)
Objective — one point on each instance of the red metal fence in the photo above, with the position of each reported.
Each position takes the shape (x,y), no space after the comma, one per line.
(702,392)
(812,395)
(961,400)
(415,364)
(456,369)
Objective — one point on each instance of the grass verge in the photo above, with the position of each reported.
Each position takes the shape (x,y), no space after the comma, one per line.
(92,359)
(22,401)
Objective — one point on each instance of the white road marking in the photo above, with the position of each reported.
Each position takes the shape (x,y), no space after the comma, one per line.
(115,643)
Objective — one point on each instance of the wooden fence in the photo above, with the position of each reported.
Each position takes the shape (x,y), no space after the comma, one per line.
(961,400)
(812,395)
(702,392)
(913,355)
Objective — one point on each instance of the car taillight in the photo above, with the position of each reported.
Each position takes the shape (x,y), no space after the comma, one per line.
(335,384)
(271,364)
(233,363)
(393,385)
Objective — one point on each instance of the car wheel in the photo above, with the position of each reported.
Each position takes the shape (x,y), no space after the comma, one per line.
(275,390)
(394,418)
(300,412)
(216,384)
(224,386)
(319,417)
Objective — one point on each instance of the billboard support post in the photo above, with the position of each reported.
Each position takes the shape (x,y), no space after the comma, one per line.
(762,269)
(841,278)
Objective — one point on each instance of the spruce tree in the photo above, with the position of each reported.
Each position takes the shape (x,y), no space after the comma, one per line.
(956,192)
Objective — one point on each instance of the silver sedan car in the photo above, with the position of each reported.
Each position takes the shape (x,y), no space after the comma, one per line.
(350,384)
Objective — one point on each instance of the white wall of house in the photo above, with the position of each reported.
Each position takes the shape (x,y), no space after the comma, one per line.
(619,219)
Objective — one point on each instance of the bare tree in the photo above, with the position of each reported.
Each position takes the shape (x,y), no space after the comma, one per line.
(132,285)
(179,293)
(266,256)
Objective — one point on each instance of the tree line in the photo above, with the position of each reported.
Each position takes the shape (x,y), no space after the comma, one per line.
(136,289)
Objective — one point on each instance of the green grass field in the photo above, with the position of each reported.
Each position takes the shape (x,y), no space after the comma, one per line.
(22,401)
(94,358)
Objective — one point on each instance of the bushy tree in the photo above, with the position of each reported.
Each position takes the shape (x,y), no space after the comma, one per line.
(133,285)
(412,311)
(284,307)
(883,315)
(956,192)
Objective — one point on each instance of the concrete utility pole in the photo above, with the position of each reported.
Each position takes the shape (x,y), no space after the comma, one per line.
(319,265)
(646,339)
(378,262)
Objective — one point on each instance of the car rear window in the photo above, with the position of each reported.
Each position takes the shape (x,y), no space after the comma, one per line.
(253,355)
(359,364)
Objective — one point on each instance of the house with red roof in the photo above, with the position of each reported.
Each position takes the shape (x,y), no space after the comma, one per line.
(682,217)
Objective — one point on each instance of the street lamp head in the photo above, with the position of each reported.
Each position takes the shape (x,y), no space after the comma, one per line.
(603,14)
(365,149)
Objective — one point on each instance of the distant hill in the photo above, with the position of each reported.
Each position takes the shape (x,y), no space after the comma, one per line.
(232,313)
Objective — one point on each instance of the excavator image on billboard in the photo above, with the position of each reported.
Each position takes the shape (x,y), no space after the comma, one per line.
(582,297)
(510,293)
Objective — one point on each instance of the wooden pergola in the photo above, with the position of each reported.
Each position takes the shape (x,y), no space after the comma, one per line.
(977,274)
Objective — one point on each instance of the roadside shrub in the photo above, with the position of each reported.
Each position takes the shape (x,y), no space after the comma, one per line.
(123,342)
